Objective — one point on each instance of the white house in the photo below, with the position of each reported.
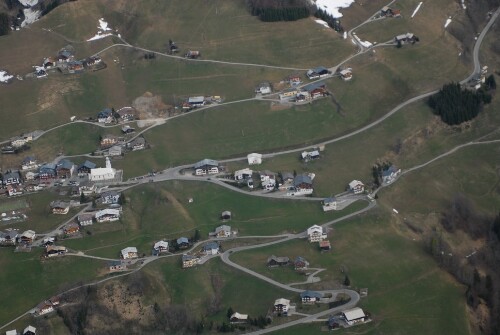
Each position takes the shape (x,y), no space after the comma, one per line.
(222,231)
(346,74)
(356,187)
(206,166)
(390,174)
(238,318)
(11,332)
(211,248)
(161,246)
(316,234)
(281,306)
(103,174)
(110,197)
(263,88)
(29,162)
(107,214)
(30,330)
(330,204)
(44,308)
(310,155)
(354,315)
(115,150)
(129,253)
(243,174)
(254,159)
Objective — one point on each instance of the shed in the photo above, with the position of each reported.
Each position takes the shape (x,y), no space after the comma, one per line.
(226,215)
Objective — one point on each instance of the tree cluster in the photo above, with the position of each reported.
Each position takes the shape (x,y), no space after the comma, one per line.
(334,23)
(377,172)
(4,24)
(456,105)
(279,10)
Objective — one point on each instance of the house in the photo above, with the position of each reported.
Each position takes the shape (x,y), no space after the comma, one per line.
(406,38)
(65,56)
(13,190)
(287,178)
(196,101)
(44,308)
(356,187)
(316,233)
(53,251)
(9,237)
(263,88)
(126,129)
(115,150)
(289,93)
(115,266)
(18,141)
(310,297)
(27,237)
(182,242)
(294,80)
(30,330)
(87,188)
(300,263)
(193,54)
(353,315)
(250,183)
(390,174)
(107,215)
(129,253)
(85,219)
(71,228)
(274,261)
(105,116)
(268,180)
(281,306)
(102,174)
(47,171)
(107,141)
(65,168)
(59,207)
(243,174)
(110,197)
(160,246)
(389,12)
(310,155)
(85,168)
(29,163)
(206,166)
(11,178)
(211,248)
(137,144)
(127,113)
(11,332)
(346,74)
(237,318)
(324,245)
(303,184)
(75,67)
(189,261)
(30,175)
(221,232)
(318,72)
(93,60)
(49,63)
(329,204)
(55,300)
(254,159)
(225,216)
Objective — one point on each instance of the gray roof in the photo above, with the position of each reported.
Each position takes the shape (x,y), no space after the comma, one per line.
(330,200)
(391,169)
(278,259)
(287,175)
(210,246)
(313,86)
(88,165)
(302,178)
(29,159)
(195,100)
(311,294)
(11,175)
(65,164)
(186,257)
(205,162)
(181,240)
(110,194)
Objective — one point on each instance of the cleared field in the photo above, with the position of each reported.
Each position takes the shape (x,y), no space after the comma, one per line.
(13,205)
(405,285)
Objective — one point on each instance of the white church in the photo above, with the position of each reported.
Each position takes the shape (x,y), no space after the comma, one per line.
(103,174)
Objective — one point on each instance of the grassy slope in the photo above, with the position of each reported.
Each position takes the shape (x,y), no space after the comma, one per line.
(403,281)
(161,211)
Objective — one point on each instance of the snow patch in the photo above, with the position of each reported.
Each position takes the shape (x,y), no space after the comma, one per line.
(5,77)
(30,16)
(28,3)
(416,9)
(332,6)
(447,22)
(102,28)
(323,23)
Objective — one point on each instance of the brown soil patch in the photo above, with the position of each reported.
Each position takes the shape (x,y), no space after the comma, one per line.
(150,106)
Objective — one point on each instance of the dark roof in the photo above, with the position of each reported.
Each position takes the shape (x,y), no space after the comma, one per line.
(210,246)
(29,159)
(302,178)
(320,69)
(88,165)
(286,175)
(65,164)
(389,170)
(314,86)
(12,175)
(205,162)
(105,113)
(310,294)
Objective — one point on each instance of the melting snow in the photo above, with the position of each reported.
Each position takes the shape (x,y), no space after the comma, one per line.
(30,16)
(323,23)
(416,9)
(447,22)
(103,26)
(4,77)
(28,3)
(332,6)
